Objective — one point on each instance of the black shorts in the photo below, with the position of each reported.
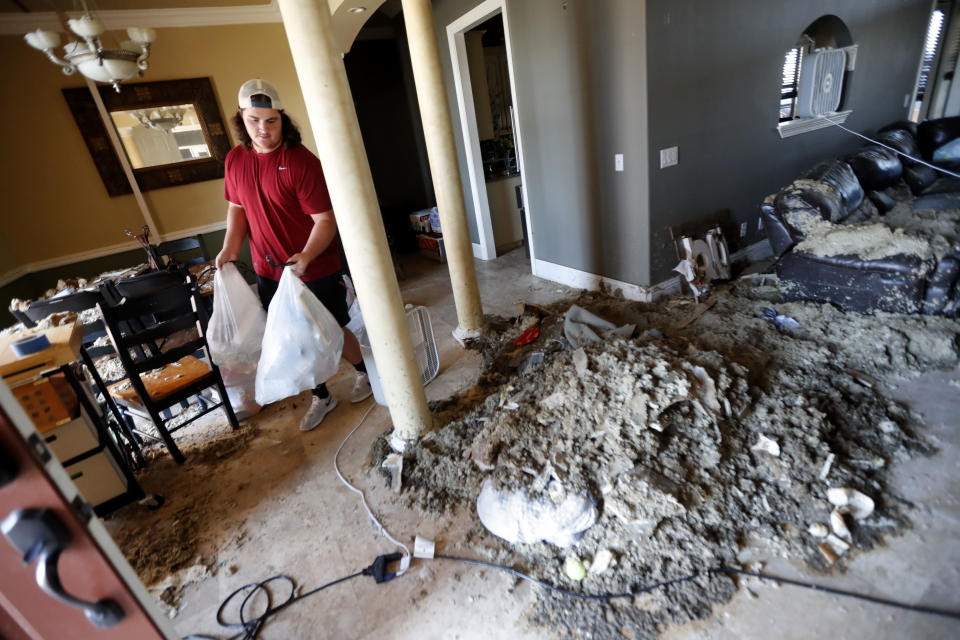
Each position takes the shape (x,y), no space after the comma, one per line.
(330,290)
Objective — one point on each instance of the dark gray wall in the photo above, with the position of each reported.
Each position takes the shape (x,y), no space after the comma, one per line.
(712,72)
(713,79)
(580,94)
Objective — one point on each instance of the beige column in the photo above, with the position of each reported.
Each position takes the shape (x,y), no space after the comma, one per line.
(323,81)
(438,132)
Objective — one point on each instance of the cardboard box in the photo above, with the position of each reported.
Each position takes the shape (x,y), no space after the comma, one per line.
(420,221)
(431,245)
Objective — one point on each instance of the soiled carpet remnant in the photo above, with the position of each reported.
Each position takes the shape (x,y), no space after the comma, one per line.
(658,429)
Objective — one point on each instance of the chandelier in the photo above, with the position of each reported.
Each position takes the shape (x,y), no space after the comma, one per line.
(162,119)
(90,57)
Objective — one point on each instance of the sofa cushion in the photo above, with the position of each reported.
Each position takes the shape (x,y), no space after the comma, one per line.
(902,141)
(839,175)
(896,284)
(942,287)
(875,167)
(881,201)
(919,177)
(907,125)
(933,134)
(778,233)
(823,196)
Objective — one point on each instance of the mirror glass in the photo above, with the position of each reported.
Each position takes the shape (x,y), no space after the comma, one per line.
(161,135)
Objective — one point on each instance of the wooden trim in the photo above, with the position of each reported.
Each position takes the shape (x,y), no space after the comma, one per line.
(16,24)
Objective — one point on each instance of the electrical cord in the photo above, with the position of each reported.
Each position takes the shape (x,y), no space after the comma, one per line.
(250,628)
(708,572)
(363,499)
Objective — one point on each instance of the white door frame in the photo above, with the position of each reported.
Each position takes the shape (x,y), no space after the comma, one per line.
(486,249)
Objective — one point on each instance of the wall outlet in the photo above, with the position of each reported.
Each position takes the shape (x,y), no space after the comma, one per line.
(618,162)
(743,229)
(760,223)
(906,100)
(669,157)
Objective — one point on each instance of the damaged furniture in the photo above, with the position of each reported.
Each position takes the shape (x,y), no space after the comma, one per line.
(161,378)
(873,231)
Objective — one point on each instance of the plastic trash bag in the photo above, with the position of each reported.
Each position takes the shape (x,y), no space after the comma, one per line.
(356,318)
(783,323)
(301,345)
(234,336)
(517,518)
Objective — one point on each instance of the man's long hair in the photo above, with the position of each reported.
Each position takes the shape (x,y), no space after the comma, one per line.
(288,131)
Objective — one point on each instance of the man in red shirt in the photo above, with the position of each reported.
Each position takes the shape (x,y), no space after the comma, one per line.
(276,194)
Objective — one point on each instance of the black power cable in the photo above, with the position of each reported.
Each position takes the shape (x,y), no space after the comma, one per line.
(709,572)
(250,628)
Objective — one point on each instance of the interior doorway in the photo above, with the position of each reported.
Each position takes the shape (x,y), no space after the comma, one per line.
(481,57)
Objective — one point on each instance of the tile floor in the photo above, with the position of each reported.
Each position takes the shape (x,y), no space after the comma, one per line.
(297,519)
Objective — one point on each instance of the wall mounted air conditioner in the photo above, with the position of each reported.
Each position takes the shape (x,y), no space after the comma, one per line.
(821,82)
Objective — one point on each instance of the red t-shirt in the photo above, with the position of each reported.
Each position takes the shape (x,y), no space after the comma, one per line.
(278,192)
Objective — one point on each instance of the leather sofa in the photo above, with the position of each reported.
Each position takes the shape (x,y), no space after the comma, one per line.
(873,231)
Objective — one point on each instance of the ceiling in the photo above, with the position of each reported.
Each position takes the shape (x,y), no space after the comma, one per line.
(21,16)
(34,6)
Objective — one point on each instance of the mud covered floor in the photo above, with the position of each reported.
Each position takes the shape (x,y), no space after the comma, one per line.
(693,495)
(669,433)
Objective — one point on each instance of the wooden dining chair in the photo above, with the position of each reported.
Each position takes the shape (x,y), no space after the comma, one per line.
(164,377)
(183,251)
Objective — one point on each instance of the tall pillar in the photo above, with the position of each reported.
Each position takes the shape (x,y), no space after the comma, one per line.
(326,92)
(442,153)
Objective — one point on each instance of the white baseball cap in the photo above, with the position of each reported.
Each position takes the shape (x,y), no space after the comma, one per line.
(259,87)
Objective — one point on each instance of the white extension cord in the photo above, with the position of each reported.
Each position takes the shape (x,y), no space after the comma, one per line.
(405,561)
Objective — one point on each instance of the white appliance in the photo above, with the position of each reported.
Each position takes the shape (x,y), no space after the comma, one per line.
(821,82)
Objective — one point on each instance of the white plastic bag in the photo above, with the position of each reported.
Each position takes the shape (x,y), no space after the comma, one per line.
(356,318)
(301,345)
(516,518)
(234,336)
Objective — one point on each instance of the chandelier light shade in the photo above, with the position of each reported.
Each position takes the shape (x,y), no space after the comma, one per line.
(90,57)
(162,119)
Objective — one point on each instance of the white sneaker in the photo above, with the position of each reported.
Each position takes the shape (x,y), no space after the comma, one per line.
(319,408)
(361,388)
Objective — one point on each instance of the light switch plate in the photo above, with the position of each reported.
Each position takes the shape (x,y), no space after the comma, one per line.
(618,162)
(743,229)
(668,157)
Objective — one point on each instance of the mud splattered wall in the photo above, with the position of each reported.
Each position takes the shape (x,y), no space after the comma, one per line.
(714,74)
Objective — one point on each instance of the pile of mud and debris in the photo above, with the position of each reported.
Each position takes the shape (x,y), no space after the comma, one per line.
(707,432)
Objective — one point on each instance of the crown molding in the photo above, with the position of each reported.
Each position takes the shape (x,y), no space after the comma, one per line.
(20,23)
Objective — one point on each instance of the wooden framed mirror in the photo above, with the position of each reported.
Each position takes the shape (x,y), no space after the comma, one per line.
(172,132)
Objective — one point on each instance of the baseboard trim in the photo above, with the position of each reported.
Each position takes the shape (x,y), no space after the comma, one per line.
(585,280)
(477,251)
(508,246)
(82,256)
